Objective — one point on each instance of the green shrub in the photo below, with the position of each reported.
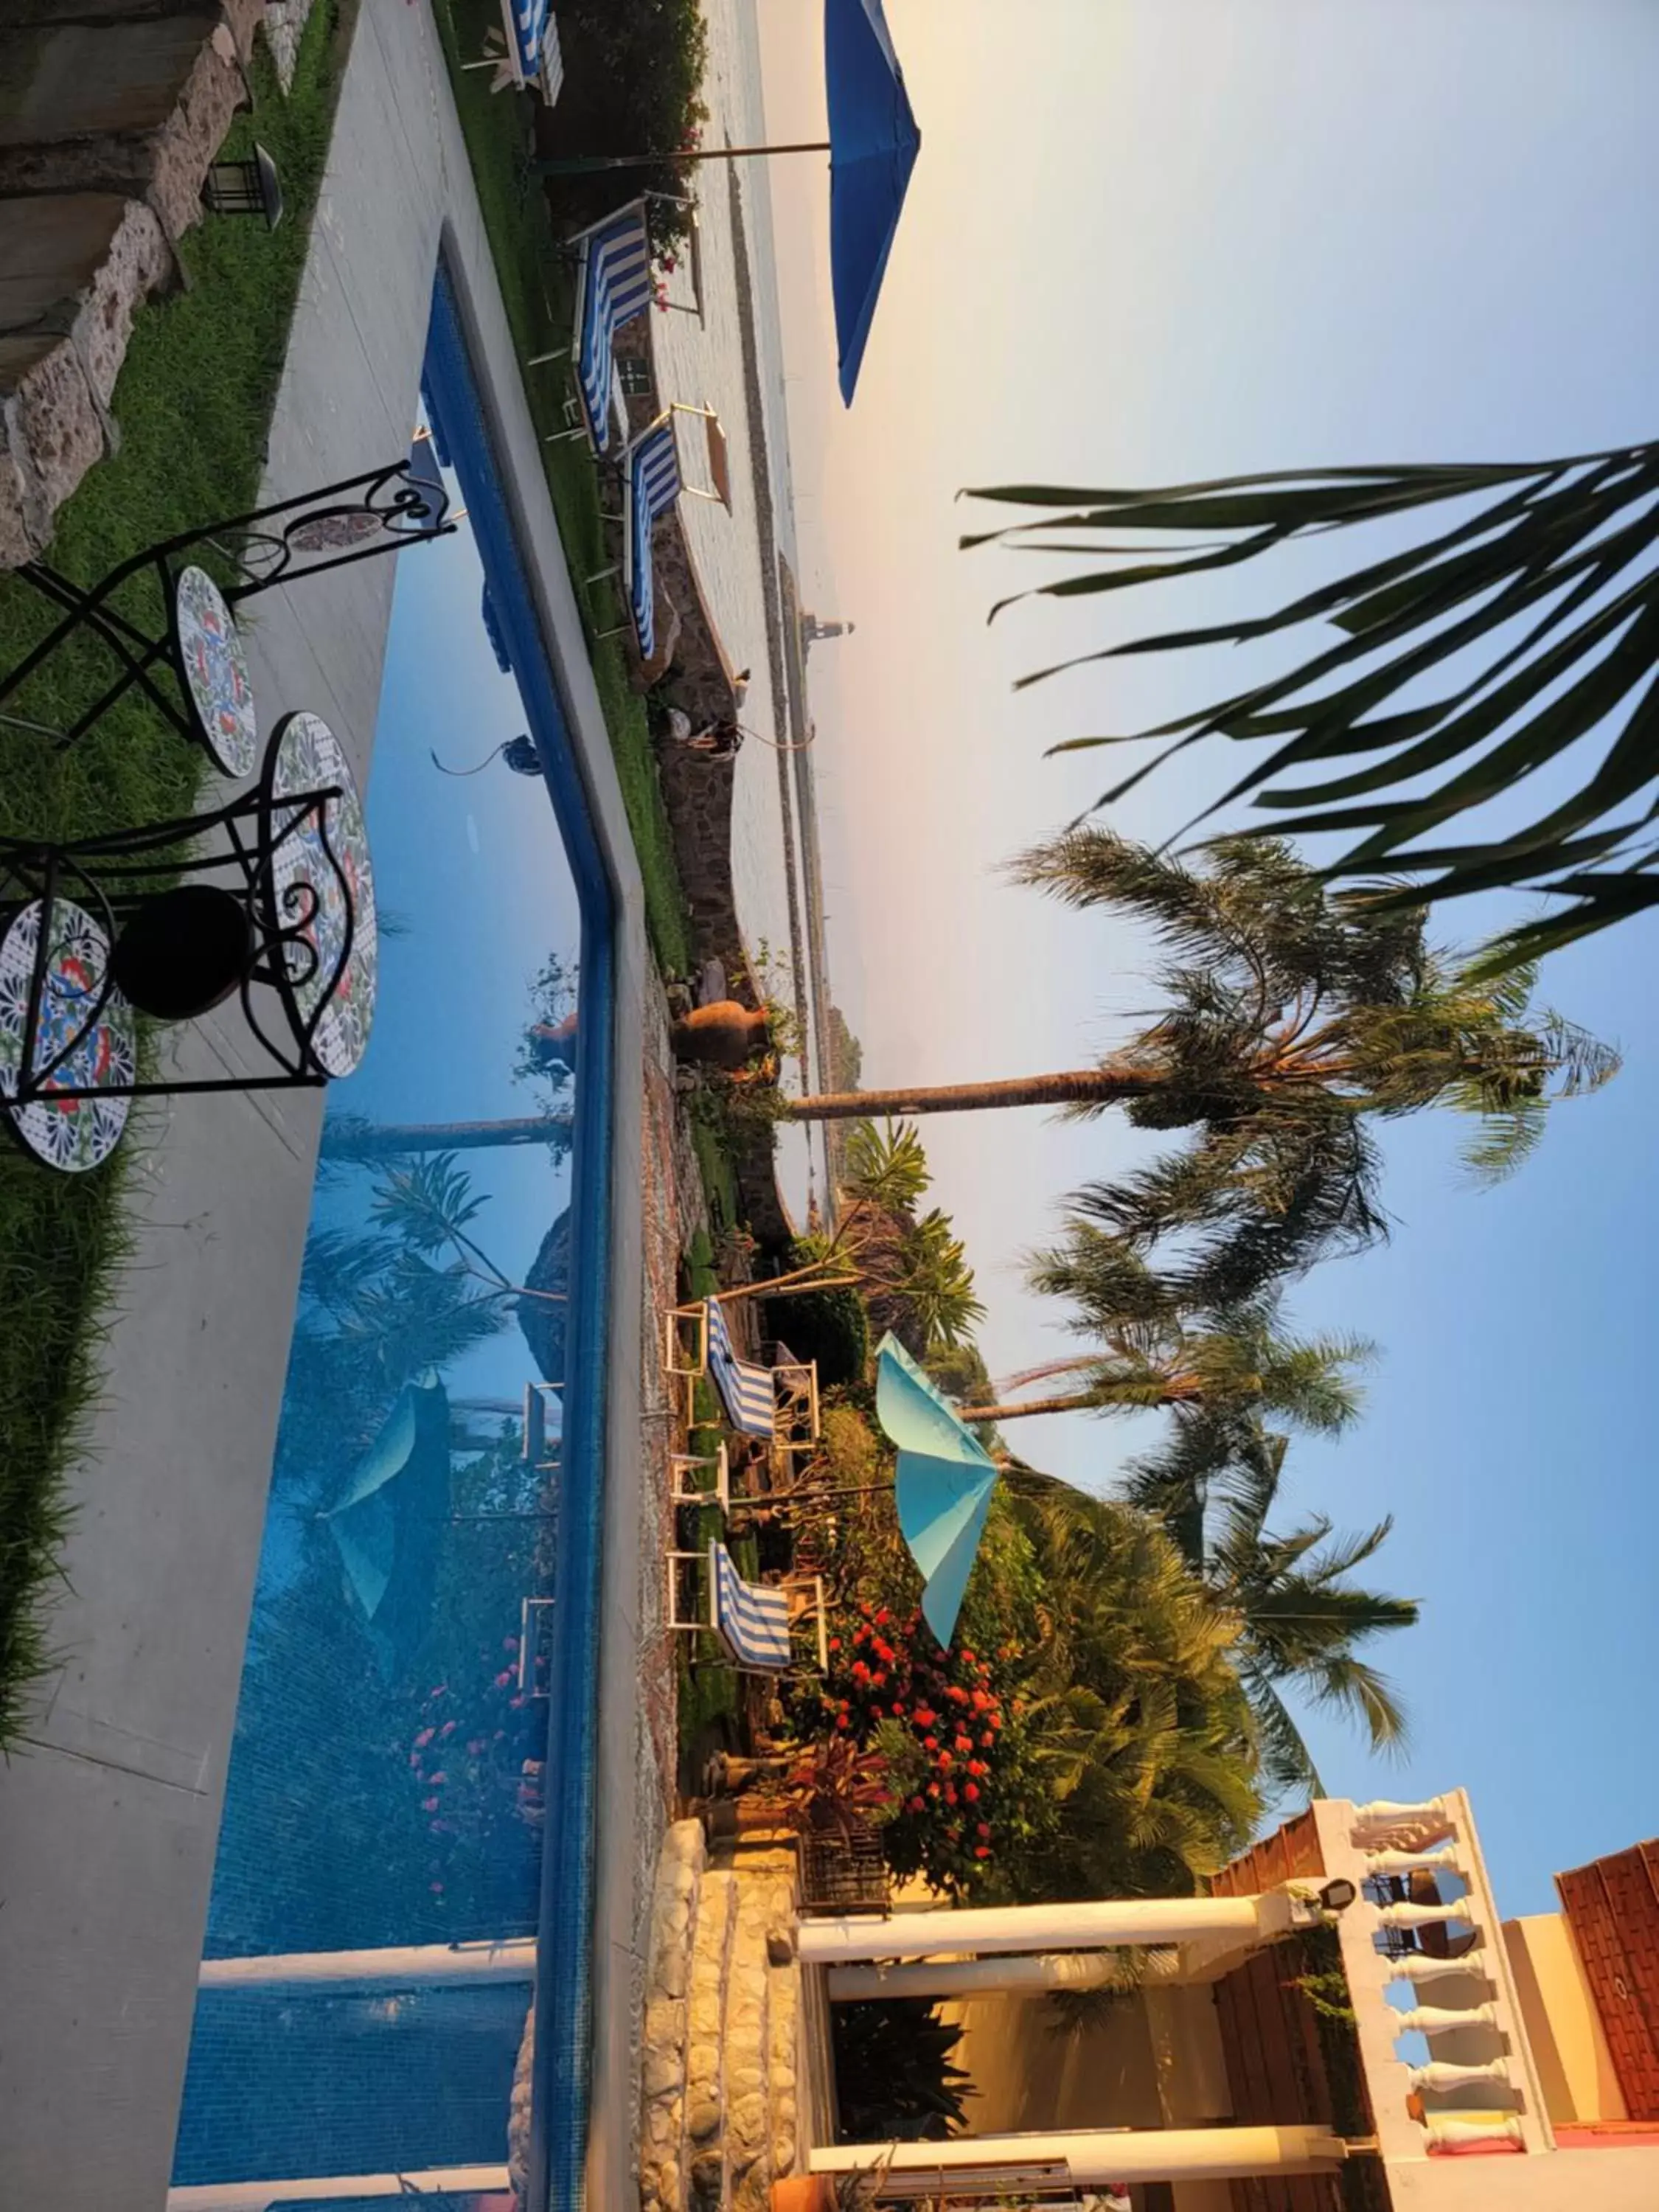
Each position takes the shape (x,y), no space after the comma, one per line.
(828,1326)
(633,72)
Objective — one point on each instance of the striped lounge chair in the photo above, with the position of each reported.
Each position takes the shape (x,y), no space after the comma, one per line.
(651,484)
(533,56)
(780,1403)
(747,1392)
(751,1621)
(613,285)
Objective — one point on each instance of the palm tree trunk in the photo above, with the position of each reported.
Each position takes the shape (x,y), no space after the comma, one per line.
(388,1140)
(1172,1390)
(1090,1087)
(1073,1402)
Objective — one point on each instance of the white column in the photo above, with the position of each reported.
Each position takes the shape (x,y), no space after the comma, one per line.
(259,2195)
(1094,2156)
(975,1977)
(1101,1925)
(414,1966)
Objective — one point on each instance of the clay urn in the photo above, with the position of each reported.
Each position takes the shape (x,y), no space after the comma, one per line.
(803,2192)
(723,1035)
(554,1043)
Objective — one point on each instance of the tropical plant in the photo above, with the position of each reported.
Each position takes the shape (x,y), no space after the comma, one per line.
(1532,608)
(1122,1750)
(886,1167)
(1292,1020)
(1301,1620)
(936,1281)
(1242,1357)
(894,2079)
(837,1787)
(1138,1721)
(916,1268)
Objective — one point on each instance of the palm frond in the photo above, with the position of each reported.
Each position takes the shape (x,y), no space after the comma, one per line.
(1547,576)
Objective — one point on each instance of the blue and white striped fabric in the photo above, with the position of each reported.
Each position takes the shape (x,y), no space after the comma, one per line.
(527,23)
(746,1390)
(752,1624)
(653,485)
(614,286)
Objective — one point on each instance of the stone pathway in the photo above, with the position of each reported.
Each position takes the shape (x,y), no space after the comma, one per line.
(722,2024)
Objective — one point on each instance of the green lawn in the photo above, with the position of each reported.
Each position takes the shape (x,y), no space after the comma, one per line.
(194,403)
(536,287)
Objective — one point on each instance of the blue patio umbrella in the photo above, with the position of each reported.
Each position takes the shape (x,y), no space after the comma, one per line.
(873,141)
(872,146)
(943,1484)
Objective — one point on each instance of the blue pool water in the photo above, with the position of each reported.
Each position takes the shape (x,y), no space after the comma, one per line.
(413,1759)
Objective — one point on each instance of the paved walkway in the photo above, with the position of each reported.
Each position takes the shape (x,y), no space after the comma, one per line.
(108,1825)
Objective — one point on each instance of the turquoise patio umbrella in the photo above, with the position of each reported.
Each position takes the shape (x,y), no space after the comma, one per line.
(392,1518)
(944,1485)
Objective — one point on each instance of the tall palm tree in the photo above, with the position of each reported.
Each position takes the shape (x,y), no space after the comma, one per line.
(1279,990)
(352,1137)
(1239,1360)
(1534,610)
(1213,1485)
(1292,1019)
(546,1061)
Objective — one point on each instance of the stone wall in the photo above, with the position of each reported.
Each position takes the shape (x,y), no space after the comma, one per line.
(111,112)
(697,792)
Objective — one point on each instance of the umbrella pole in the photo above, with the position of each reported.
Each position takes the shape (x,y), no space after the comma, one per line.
(582,165)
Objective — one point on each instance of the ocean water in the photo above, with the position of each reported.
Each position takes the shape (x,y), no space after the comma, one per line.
(700,361)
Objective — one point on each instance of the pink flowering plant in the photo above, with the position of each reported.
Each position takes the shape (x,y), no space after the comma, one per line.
(474,1762)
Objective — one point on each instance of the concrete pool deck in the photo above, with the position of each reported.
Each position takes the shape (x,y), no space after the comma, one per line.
(108,1820)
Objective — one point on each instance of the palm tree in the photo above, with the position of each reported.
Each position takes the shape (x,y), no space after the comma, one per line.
(546,1060)
(1239,1360)
(1292,1018)
(1535,611)
(914,1262)
(1139,1717)
(351,1137)
(936,1281)
(1213,1485)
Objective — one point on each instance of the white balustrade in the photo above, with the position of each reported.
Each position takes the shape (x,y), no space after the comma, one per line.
(1437,2020)
(1438,2075)
(1425,1916)
(1384,1823)
(1450,2132)
(1418,1967)
(1446,1861)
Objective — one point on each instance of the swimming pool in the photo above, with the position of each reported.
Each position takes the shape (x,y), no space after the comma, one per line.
(404,1869)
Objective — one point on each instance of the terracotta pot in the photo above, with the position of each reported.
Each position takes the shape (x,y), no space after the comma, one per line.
(803,2192)
(724,1035)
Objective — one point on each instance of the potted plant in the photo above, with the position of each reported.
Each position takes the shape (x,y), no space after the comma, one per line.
(831,2192)
(837,1787)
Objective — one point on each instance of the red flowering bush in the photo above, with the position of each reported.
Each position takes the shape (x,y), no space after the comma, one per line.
(952,1738)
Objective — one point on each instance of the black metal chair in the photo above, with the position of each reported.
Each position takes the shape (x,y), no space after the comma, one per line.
(269,899)
(192,666)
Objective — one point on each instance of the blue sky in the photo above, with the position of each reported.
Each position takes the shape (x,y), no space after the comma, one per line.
(1148,242)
